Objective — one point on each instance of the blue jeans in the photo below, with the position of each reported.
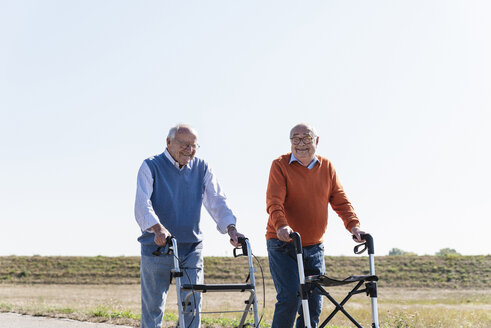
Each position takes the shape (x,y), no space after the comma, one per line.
(284,271)
(155,280)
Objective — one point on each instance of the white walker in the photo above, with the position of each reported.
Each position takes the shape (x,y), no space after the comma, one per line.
(184,304)
(321,281)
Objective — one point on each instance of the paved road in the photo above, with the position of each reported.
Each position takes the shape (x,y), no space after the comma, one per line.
(14,320)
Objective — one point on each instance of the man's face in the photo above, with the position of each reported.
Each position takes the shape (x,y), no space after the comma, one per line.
(304,151)
(183,146)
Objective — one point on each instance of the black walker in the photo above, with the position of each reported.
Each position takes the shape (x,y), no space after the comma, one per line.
(321,281)
(183,305)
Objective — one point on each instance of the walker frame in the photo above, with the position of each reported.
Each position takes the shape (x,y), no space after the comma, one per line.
(321,281)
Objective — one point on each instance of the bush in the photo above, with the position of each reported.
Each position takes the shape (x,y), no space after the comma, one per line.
(397,252)
(447,252)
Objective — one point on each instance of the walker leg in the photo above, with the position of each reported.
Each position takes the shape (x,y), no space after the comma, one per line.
(373,295)
(297,241)
(253,282)
(374,312)
(249,302)
(176,272)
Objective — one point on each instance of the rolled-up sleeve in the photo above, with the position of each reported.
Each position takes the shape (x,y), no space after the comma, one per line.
(215,202)
(144,213)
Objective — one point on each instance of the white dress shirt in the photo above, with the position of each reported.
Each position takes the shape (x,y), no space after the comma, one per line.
(214,199)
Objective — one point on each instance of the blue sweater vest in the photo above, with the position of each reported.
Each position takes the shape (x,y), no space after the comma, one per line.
(176,199)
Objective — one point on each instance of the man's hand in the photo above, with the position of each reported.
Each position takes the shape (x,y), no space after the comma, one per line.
(161,234)
(357,232)
(234,235)
(283,233)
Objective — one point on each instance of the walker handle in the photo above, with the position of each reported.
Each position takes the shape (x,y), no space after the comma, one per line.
(297,241)
(243,246)
(168,245)
(368,244)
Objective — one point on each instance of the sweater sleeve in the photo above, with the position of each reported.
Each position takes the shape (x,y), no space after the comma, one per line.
(341,204)
(275,196)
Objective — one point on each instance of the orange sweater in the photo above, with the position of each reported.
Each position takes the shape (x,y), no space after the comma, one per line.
(299,197)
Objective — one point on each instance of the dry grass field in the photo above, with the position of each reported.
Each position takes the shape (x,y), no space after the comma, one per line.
(120,304)
(414,291)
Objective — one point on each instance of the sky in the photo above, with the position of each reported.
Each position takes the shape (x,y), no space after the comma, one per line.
(399,92)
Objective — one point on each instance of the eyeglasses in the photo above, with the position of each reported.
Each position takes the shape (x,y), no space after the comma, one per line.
(186,145)
(306,140)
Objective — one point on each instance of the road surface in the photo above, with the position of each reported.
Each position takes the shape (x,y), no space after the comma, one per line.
(14,320)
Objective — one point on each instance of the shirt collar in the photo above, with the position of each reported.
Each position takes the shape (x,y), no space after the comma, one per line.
(311,164)
(173,161)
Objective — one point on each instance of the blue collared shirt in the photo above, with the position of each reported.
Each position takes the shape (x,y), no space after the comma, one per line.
(311,164)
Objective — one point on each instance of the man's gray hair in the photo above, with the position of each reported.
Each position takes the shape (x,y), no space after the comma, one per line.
(173,130)
(306,125)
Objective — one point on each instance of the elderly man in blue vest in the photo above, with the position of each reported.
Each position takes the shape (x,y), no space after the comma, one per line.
(170,190)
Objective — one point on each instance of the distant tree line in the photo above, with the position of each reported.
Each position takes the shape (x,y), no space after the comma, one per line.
(441,252)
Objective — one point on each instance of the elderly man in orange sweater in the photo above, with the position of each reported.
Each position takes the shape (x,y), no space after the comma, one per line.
(301,185)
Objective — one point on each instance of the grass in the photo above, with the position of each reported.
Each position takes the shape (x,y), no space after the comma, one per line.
(414,291)
(106,312)
(69,269)
(398,307)
(393,271)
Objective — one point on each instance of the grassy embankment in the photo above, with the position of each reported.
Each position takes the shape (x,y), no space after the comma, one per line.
(413,290)
(394,271)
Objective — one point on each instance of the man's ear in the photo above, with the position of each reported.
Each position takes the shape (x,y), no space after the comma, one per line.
(316,141)
(168,141)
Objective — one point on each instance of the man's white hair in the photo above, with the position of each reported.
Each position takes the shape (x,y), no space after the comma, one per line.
(305,125)
(173,130)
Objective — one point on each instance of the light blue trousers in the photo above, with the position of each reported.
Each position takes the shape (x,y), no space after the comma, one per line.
(155,273)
